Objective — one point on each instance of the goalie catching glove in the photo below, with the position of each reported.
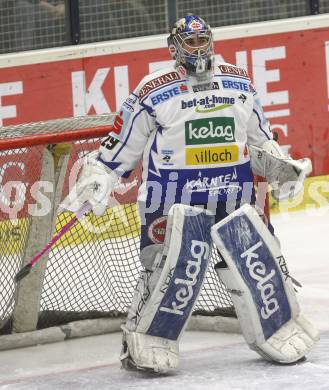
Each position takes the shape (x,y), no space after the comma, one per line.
(94,185)
(285,175)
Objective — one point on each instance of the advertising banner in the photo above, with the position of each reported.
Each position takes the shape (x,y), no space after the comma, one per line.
(289,70)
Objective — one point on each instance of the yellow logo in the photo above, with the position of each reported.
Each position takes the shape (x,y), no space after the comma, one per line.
(212,155)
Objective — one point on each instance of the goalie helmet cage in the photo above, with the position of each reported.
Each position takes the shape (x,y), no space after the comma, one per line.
(85,284)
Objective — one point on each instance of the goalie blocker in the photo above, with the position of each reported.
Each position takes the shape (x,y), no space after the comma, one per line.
(256,274)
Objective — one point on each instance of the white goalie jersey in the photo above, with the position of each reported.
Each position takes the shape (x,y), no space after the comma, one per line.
(189,132)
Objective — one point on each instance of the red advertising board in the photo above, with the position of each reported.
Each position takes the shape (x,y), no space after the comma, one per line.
(290,71)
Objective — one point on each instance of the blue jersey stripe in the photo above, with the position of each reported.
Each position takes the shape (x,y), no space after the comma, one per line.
(232,76)
(260,124)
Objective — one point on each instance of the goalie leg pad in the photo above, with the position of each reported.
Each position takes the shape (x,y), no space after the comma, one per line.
(171,288)
(165,296)
(262,292)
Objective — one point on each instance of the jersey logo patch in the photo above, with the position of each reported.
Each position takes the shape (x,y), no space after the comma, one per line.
(208,104)
(210,131)
(157,230)
(118,123)
(205,87)
(235,84)
(215,185)
(233,70)
(212,155)
(168,93)
(157,82)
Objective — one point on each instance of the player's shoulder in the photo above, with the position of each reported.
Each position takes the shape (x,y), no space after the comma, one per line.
(157,80)
(230,70)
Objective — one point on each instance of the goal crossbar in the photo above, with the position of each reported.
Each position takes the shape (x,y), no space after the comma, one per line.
(55,131)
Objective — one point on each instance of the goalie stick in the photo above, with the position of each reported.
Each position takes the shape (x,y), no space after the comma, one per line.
(27,268)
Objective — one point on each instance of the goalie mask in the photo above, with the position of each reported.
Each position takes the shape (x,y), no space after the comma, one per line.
(191,45)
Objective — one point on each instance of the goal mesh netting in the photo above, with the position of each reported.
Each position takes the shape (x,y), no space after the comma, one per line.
(92,271)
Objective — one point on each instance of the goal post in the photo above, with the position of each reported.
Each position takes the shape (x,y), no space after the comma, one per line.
(84,284)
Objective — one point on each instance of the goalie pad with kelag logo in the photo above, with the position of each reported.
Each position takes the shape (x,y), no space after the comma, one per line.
(183,265)
(165,295)
(256,274)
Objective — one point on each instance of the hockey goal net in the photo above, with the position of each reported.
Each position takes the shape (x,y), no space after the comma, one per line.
(92,271)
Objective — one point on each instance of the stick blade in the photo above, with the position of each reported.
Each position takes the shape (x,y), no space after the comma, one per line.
(23,272)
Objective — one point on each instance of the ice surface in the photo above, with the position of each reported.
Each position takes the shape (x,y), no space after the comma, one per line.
(208,360)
